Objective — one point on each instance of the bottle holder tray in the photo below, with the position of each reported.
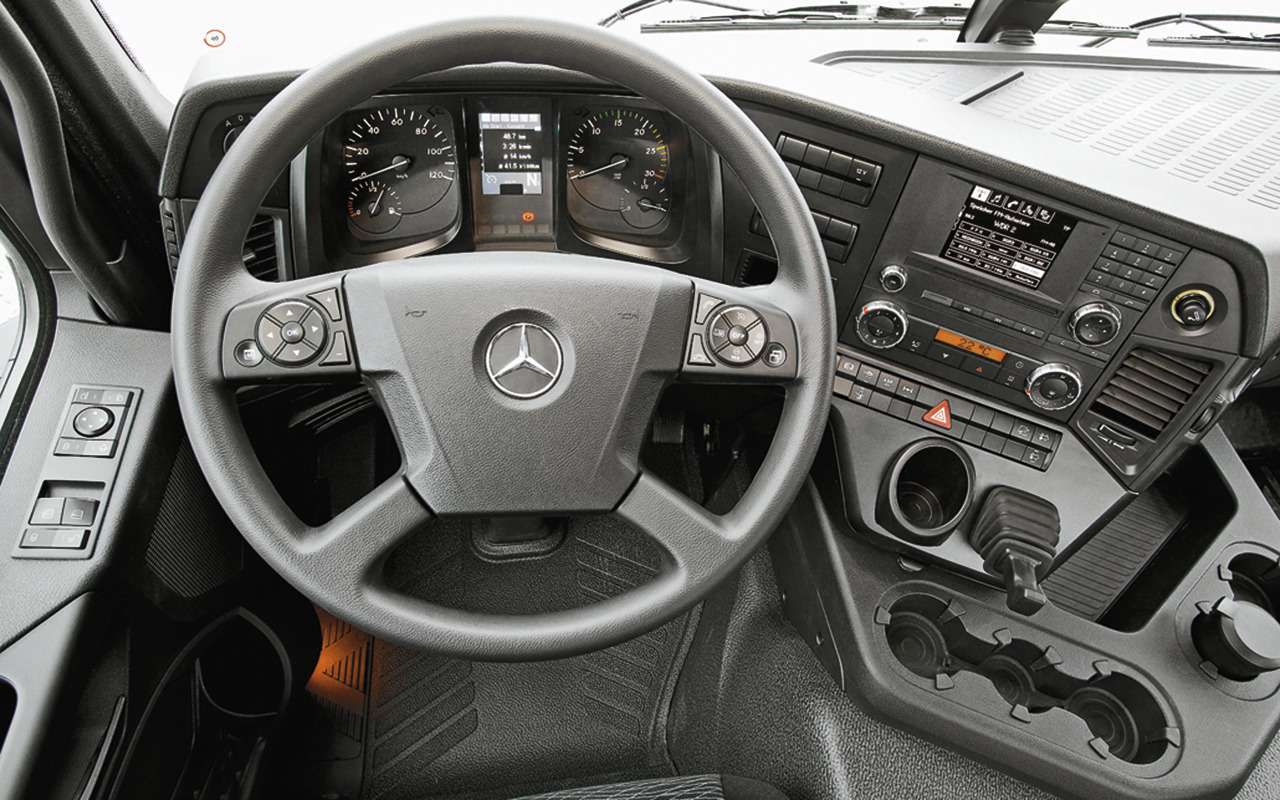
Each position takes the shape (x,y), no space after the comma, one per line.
(1056,690)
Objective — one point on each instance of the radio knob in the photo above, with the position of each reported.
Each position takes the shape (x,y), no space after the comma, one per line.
(893,279)
(882,324)
(1054,387)
(1096,324)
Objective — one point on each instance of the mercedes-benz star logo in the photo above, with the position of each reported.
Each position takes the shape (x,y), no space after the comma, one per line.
(523,360)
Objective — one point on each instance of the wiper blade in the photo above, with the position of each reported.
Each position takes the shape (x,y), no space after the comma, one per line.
(1269,41)
(1201,20)
(925,17)
(631,9)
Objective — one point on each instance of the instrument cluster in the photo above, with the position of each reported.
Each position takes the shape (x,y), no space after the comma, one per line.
(406,175)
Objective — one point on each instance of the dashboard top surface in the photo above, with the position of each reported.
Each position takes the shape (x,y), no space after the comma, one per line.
(799,79)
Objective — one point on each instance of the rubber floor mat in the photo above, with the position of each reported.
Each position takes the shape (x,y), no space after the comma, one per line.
(435,727)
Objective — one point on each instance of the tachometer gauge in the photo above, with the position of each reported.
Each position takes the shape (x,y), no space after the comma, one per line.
(375,207)
(406,149)
(618,160)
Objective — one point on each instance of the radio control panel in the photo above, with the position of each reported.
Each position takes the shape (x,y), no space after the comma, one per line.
(1009,294)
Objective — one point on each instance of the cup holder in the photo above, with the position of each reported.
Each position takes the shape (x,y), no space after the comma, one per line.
(926,492)
(1120,712)
(929,637)
(1255,578)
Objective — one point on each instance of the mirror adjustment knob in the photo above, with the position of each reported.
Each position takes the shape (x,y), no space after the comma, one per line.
(93,421)
(1095,324)
(1192,308)
(1054,386)
(882,324)
(1240,639)
(893,279)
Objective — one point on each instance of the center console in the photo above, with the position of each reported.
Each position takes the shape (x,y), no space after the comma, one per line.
(1026,538)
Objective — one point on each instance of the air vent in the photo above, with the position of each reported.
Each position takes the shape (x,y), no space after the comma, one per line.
(261,256)
(1149,389)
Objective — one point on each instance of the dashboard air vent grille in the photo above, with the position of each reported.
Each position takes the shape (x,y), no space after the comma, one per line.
(1149,389)
(261,254)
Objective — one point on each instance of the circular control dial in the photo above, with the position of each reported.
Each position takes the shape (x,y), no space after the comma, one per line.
(893,278)
(737,335)
(882,324)
(1054,387)
(1096,324)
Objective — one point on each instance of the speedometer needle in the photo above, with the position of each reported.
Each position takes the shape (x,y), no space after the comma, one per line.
(388,168)
(622,162)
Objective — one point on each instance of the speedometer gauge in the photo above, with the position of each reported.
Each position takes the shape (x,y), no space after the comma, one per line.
(410,151)
(618,160)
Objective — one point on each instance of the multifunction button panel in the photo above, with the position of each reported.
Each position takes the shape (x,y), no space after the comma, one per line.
(278,337)
(828,171)
(837,234)
(945,413)
(63,518)
(739,340)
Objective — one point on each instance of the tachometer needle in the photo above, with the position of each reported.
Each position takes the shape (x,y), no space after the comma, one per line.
(622,162)
(388,168)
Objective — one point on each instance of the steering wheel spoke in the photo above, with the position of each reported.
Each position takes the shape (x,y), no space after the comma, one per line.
(295,331)
(739,335)
(354,542)
(694,538)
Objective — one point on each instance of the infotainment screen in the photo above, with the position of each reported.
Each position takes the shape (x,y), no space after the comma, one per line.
(510,153)
(1007,236)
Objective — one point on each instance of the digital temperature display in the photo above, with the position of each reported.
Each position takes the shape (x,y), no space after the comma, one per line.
(968,345)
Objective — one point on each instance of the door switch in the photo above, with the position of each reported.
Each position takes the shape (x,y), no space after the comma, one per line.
(54,539)
(48,511)
(79,511)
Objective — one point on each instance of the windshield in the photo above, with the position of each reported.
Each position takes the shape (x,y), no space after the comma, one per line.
(168,39)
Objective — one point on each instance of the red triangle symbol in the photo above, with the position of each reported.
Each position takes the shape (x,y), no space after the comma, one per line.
(940,415)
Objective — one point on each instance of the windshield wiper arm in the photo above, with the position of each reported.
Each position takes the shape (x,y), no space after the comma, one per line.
(631,9)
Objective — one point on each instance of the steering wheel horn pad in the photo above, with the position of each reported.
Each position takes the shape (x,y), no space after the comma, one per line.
(586,346)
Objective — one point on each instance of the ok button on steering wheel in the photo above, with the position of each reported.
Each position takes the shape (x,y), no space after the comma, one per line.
(292,332)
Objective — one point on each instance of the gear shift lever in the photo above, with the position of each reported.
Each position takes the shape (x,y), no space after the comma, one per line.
(1016,533)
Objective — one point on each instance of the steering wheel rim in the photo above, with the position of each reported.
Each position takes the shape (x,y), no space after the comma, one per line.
(336,565)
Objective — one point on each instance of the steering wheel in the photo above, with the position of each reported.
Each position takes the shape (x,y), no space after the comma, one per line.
(514,382)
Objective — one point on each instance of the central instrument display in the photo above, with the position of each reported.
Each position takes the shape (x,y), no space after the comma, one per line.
(510,152)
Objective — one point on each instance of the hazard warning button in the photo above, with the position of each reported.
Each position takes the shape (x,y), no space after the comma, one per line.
(939,415)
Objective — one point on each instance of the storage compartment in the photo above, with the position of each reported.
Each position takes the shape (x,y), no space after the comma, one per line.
(1116,715)
(205,729)
(1129,568)
(926,492)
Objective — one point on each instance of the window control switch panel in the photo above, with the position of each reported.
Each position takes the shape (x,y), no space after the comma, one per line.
(65,515)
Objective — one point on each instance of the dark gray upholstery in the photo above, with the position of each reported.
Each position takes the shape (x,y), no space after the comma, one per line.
(683,787)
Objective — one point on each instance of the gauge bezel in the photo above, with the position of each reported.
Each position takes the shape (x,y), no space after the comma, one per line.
(606,229)
(321,185)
